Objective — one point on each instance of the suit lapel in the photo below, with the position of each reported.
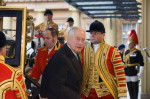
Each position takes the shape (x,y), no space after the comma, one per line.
(76,63)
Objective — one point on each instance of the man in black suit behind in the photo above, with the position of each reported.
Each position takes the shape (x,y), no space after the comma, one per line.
(62,76)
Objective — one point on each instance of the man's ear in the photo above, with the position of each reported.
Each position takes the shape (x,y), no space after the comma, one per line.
(3,51)
(103,34)
(55,38)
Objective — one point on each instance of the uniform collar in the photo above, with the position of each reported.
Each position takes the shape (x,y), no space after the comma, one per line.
(132,49)
(2,59)
(96,46)
(51,21)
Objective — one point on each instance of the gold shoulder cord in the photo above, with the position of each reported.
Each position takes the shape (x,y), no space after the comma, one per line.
(126,58)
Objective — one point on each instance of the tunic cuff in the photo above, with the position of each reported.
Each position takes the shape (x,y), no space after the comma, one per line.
(122,92)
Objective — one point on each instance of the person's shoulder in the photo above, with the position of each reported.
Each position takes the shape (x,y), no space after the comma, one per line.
(39,25)
(88,46)
(10,67)
(138,51)
(63,51)
(108,45)
(12,70)
(61,44)
(127,51)
(112,47)
(52,22)
(42,49)
(55,23)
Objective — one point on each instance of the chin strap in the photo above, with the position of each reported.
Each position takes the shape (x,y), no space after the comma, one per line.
(140,72)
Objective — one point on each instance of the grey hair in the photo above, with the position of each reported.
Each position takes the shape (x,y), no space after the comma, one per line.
(73,30)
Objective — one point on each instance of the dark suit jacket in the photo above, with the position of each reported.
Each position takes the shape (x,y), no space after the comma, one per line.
(62,76)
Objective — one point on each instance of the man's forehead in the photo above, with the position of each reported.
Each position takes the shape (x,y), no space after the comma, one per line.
(47,32)
(48,15)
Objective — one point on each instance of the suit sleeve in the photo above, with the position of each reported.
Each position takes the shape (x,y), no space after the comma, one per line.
(54,80)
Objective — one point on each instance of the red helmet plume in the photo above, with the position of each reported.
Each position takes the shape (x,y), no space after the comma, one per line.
(133,37)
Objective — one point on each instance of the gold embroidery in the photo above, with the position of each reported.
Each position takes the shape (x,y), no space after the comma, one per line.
(95,66)
(126,58)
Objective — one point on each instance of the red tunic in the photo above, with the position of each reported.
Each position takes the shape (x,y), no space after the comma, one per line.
(42,59)
(103,73)
(12,84)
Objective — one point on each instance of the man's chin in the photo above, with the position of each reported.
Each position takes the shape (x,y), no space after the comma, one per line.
(79,50)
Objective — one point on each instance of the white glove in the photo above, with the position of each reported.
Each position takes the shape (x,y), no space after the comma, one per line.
(122,97)
(148,58)
(140,72)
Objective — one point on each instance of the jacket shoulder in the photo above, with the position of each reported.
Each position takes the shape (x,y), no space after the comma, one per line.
(9,68)
(42,49)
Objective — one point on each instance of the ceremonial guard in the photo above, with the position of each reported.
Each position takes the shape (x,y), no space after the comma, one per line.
(103,71)
(45,53)
(134,65)
(12,84)
(49,22)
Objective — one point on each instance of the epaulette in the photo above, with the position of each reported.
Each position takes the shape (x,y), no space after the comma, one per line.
(44,49)
(57,46)
(138,50)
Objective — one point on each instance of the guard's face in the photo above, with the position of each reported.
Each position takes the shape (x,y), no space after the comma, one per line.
(76,42)
(131,45)
(96,37)
(48,17)
(122,50)
(70,24)
(49,40)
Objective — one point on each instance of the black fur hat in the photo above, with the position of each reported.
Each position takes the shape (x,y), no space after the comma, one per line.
(96,26)
(48,12)
(70,19)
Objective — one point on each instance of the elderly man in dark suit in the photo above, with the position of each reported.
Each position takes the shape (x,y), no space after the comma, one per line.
(62,76)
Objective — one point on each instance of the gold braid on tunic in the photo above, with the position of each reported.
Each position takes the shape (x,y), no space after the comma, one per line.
(126,58)
(95,67)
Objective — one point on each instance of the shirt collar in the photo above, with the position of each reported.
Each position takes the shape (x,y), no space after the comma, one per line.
(72,50)
(49,50)
(96,46)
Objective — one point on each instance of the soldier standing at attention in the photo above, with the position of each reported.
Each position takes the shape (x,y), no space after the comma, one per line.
(133,60)
(49,22)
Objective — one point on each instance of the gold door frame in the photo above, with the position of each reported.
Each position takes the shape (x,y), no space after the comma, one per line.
(23,32)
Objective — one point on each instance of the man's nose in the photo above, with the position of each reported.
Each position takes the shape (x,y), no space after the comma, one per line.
(81,42)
